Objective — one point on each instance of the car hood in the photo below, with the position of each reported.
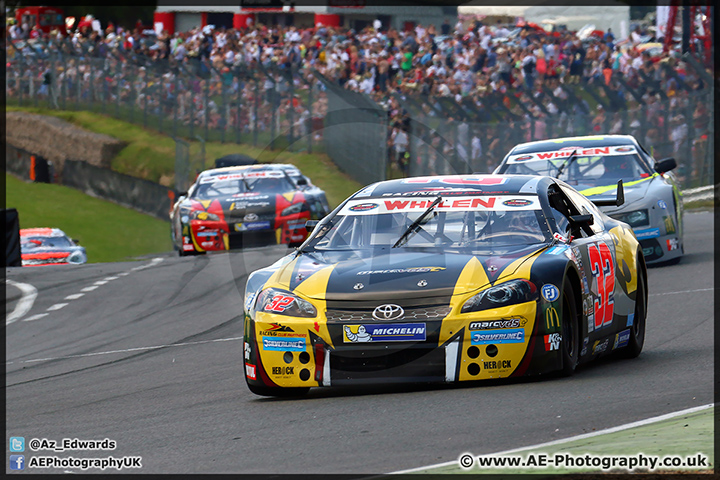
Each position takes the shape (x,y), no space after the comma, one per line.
(251,202)
(392,275)
(634,191)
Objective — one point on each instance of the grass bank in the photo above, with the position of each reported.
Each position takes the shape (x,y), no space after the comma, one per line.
(109,232)
(151,155)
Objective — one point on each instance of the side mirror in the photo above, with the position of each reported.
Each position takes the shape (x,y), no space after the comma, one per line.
(311,224)
(580,220)
(76,241)
(302,182)
(665,165)
(182,194)
(619,198)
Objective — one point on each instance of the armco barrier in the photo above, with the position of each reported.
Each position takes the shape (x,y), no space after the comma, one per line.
(700,193)
(136,193)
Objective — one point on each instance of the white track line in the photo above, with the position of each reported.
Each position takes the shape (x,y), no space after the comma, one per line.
(684,291)
(107,279)
(35,317)
(154,262)
(619,428)
(89,289)
(74,296)
(57,306)
(137,349)
(100,282)
(29,294)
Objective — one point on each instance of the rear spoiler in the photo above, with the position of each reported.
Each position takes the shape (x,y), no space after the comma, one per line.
(619,199)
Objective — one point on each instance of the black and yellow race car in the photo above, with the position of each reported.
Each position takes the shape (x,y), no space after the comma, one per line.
(447,279)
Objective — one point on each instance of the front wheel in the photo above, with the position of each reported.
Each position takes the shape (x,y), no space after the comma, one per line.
(637,331)
(570,345)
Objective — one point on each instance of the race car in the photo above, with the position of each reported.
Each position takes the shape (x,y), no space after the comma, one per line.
(594,164)
(49,246)
(228,208)
(446,279)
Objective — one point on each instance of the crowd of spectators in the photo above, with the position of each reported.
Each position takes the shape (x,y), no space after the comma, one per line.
(463,62)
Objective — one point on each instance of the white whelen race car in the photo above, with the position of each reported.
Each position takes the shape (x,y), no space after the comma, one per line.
(594,164)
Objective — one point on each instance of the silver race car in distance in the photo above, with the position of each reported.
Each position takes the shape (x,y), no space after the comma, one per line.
(594,164)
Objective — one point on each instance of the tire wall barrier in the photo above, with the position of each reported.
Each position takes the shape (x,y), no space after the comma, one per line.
(131,192)
(136,193)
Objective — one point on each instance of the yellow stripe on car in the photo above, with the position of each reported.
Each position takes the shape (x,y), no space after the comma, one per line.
(598,190)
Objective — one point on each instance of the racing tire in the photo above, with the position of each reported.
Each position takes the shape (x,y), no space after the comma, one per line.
(570,345)
(278,391)
(637,332)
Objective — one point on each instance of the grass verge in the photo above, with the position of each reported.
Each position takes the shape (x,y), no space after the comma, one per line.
(151,155)
(688,437)
(109,232)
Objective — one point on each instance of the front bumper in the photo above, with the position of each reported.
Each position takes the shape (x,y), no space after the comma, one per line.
(658,248)
(289,352)
(217,236)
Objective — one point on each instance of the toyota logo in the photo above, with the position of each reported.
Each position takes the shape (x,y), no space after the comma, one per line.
(250,217)
(388,312)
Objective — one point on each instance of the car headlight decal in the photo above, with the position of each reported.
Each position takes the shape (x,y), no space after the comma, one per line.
(294,208)
(282,302)
(507,293)
(636,218)
(200,215)
(76,257)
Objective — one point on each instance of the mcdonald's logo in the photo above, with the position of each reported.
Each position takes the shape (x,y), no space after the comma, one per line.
(551,318)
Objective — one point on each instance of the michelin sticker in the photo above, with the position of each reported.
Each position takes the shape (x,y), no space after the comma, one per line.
(401,332)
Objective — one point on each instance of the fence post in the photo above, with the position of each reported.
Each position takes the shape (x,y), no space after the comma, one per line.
(273,110)
(223,109)
(63,82)
(310,130)
(32,94)
(118,90)
(91,94)
(159,88)
(202,152)
(182,164)
(175,103)
(255,112)
(291,107)
(20,78)
(689,163)
(192,108)
(78,82)
(207,104)
(238,103)
(146,92)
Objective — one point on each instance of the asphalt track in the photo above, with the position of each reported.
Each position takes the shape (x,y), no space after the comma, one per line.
(152,358)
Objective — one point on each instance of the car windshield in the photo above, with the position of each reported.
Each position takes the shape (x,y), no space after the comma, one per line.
(473,223)
(213,186)
(586,168)
(28,243)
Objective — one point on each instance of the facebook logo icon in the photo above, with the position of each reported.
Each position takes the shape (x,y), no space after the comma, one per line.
(17,462)
(17,444)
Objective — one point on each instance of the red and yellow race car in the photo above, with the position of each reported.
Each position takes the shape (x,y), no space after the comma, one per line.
(235,207)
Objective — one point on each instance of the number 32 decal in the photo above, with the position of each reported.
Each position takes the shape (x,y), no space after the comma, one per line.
(603,269)
(279,303)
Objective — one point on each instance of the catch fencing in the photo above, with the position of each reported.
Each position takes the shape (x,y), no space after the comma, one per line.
(267,107)
(298,109)
(447,136)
